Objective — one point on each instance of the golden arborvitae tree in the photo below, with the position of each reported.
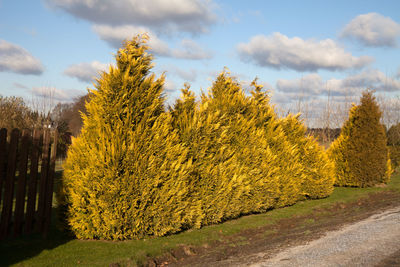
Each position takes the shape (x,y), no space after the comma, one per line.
(232,171)
(287,161)
(183,115)
(317,173)
(125,175)
(360,154)
(243,159)
(220,127)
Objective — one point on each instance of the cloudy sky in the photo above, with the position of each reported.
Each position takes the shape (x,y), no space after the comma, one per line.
(297,49)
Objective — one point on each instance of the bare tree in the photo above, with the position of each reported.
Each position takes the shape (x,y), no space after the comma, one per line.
(390,107)
(42,103)
(14,113)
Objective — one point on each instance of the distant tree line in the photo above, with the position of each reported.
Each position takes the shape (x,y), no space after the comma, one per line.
(15,112)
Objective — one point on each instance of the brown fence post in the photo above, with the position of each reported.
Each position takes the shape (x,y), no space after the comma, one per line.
(43,180)
(9,185)
(50,183)
(3,156)
(21,186)
(32,184)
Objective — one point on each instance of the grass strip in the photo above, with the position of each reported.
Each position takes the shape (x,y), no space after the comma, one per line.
(61,250)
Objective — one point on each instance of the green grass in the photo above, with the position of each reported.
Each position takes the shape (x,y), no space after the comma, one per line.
(61,250)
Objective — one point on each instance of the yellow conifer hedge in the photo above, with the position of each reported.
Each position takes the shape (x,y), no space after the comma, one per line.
(137,170)
(245,159)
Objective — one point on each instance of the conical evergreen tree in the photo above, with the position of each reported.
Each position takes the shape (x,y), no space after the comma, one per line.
(222,129)
(183,114)
(125,175)
(232,174)
(360,153)
(287,157)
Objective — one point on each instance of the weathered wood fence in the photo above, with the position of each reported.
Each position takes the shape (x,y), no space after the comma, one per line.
(27,167)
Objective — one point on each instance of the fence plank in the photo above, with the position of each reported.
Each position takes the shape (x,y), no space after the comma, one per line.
(32,185)
(50,183)
(9,185)
(21,184)
(43,180)
(3,156)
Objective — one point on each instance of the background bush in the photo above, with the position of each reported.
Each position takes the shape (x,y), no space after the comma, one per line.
(360,154)
(393,136)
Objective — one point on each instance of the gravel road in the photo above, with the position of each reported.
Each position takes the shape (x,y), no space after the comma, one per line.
(365,243)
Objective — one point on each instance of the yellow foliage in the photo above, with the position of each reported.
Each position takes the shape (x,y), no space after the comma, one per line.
(137,170)
(360,154)
(317,173)
(126,174)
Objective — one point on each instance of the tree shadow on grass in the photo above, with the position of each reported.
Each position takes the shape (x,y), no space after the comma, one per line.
(13,251)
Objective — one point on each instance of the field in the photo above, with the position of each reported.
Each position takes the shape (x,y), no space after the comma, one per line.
(281,227)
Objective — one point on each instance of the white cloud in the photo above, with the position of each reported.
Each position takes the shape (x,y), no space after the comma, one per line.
(115,35)
(189,49)
(309,84)
(283,98)
(54,94)
(14,58)
(373,79)
(188,75)
(85,72)
(313,84)
(20,85)
(169,86)
(193,16)
(116,21)
(281,52)
(314,105)
(373,29)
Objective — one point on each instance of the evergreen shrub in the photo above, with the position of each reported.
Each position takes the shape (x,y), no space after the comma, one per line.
(125,175)
(360,154)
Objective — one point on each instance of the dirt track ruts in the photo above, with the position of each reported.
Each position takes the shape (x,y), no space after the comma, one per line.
(365,243)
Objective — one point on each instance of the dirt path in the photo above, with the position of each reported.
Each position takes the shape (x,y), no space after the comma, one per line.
(366,243)
(257,246)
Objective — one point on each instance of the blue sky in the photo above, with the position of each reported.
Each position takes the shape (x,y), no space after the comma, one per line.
(306,49)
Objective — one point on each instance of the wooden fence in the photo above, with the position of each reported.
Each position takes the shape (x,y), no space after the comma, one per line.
(27,167)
